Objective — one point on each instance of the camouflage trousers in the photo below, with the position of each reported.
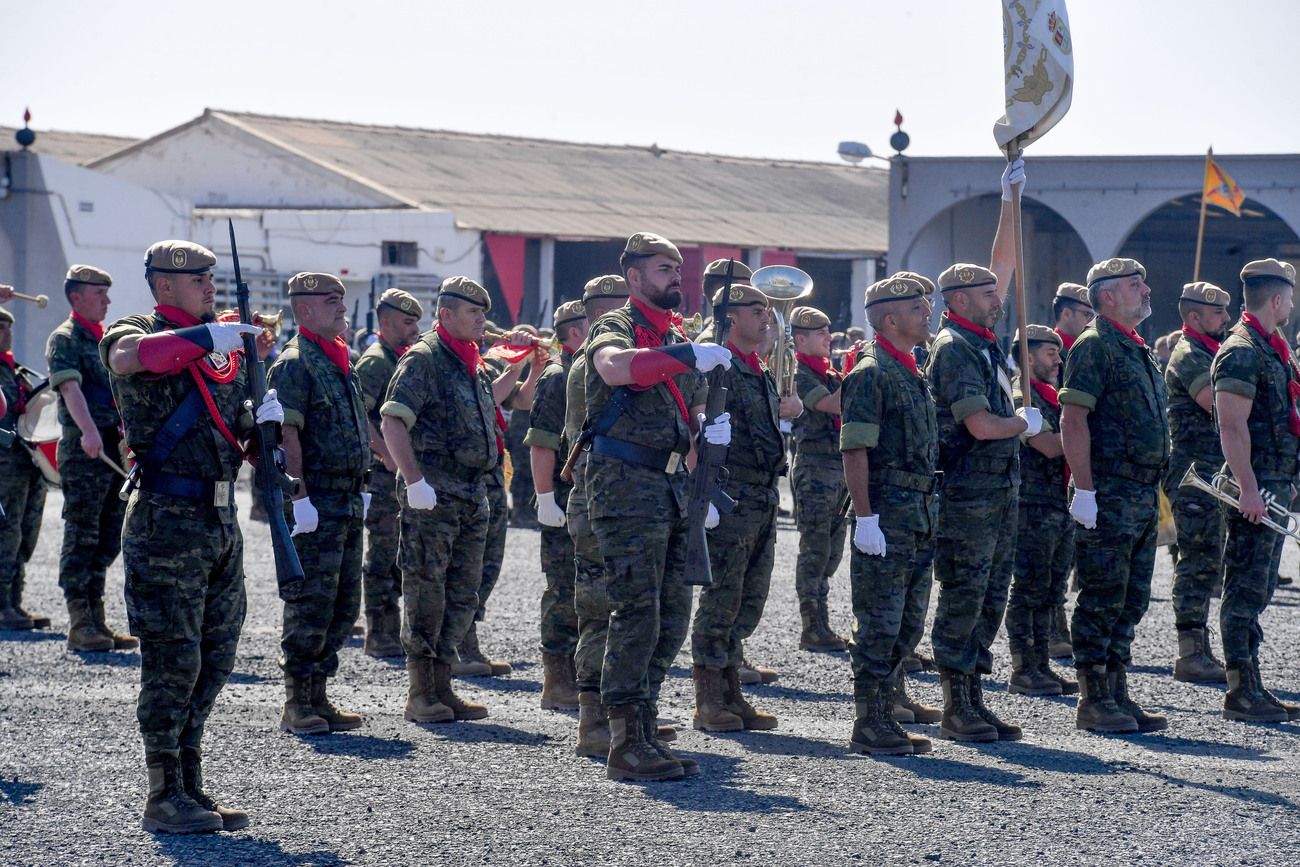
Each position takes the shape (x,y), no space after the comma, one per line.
(890,598)
(186,604)
(559,618)
(1199,565)
(317,623)
(819,495)
(22,495)
(974,545)
(590,602)
(741,551)
(1250,577)
(521,482)
(1044,552)
(381,579)
(441,556)
(494,547)
(92,516)
(649,606)
(1114,563)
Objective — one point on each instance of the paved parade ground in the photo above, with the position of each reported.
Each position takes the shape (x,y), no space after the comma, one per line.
(509,790)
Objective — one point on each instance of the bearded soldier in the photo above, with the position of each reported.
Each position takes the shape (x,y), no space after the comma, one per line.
(1198,517)
(181,384)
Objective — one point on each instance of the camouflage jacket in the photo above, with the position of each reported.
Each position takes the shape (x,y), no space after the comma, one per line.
(14,384)
(1246,365)
(374,370)
(546,420)
(1042,479)
(814,431)
(329,413)
(1191,428)
(1118,381)
(72,354)
(756,455)
(451,417)
(889,411)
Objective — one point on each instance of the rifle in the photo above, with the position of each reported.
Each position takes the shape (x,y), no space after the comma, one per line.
(269,478)
(370,314)
(710,462)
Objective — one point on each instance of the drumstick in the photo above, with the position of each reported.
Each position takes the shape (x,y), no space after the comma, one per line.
(41,301)
(106,459)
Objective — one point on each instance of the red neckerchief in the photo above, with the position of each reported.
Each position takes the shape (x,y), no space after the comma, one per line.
(566,350)
(335,350)
(750,359)
(96,329)
(201,370)
(906,359)
(1047,393)
(1127,332)
(1279,345)
(1204,339)
(20,406)
(851,355)
(1066,340)
(467,352)
(978,330)
(822,367)
(661,321)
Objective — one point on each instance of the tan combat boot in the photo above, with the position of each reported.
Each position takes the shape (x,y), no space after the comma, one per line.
(463,710)
(1117,679)
(1244,701)
(1006,731)
(1292,711)
(649,731)
(192,780)
(1044,663)
(11,618)
(1097,710)
(873,733)
(961,721)
(299,717)
(593,727)
(120,640)
(1059,646)
(631,756)
(169,810)
(734,700)
(751,674)
(559,689)
(711,714)
(474,662)
(906,709)
(1027,678)
(817,635)
(83,635)
(339,720)
(422,704)
(1196,662)
(382,641)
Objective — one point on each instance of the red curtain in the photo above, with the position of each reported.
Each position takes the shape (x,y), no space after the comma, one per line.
(507,253)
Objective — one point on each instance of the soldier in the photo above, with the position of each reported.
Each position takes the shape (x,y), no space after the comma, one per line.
(1116,439)
(22,489)
(545,439)
(742,545)
(92,511)
(326,449)
(889,444)
(1045,548)
(821,499)
(398,317)
(1256,385)
(181,384)
(523,513)
(1198,518)
(442,428)
(641,381)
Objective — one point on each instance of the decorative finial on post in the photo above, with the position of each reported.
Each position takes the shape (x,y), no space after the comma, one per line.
(899,140)
(26,138)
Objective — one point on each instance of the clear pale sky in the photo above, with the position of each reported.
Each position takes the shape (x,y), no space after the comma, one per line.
(758,78)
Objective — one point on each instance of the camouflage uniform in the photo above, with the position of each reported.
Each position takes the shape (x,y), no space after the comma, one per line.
(494,547)
(327,409)
(819,491)
(1247,366)
(1118,380)
(976,530)
(185,602)
(638,513)
(559,619)
(381,579)
(1197,516)
(590,601)
(22,491)
(889,411)
(742,546)
(92,510)
(452,420)
(522,510)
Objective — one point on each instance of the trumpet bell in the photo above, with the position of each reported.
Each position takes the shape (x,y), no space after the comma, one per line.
(1225,489)
(782,282)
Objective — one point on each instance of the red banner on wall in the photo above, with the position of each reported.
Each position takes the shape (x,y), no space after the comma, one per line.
(779,257)
(507,254)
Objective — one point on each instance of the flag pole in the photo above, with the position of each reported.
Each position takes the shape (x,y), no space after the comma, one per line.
(1200,229)
(1022,315)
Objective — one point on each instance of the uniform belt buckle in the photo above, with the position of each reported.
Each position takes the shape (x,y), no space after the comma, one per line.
(674,461)
(221,495)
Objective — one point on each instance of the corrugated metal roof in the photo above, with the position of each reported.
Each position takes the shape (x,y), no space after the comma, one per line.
(564,189)
(72,147)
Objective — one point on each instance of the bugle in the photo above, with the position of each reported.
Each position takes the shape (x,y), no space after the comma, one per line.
(1225,489)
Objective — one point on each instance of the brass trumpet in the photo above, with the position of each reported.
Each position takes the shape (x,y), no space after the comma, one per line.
(1225,489)
(551,343)
(783,285)
(272,322)
(692,326)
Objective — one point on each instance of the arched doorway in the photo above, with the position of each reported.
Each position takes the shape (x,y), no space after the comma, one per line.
(1165,242)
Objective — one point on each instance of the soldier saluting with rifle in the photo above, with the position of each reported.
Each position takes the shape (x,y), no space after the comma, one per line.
(184,387)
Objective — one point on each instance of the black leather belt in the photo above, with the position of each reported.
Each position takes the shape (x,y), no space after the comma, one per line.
(663,460)
(219,494)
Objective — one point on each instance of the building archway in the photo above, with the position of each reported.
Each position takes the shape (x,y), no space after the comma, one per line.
(1165,242)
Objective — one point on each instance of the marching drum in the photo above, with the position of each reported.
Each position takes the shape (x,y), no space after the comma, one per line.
(39,429)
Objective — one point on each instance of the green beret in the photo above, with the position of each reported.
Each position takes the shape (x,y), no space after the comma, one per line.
(809,318)
(925,281)
(646,244)
(88,274)
(466,290)
(6,316)
(1113,269)
(1074,292)
(1040,334)
(964,276)
(742,295)
(402,302)
(608,286)
(179,257)
(569,311)
(1205,293)
(740,272)
(315,283)
(895,288)
(1269,268)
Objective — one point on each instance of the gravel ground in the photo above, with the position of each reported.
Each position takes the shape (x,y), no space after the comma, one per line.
(509,790)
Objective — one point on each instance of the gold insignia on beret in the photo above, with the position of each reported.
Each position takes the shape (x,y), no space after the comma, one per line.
(965,275)
(178,258)
(309,282)
(805,318)
(1114,266)
(606,286)
(898,287)
(737,293)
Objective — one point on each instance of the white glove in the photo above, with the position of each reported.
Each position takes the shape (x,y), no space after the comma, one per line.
(305,517)
(365,504)
(229,336)
(718,433)
(1033,419)
(1013,174)
(712,518)
(1083,508)
(549,513)
(421,495)
(271,409)
(867,536)
(711,355)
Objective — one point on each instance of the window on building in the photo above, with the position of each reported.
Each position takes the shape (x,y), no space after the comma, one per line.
(401,254)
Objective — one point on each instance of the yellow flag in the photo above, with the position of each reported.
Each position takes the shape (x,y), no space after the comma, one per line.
(1221,189)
